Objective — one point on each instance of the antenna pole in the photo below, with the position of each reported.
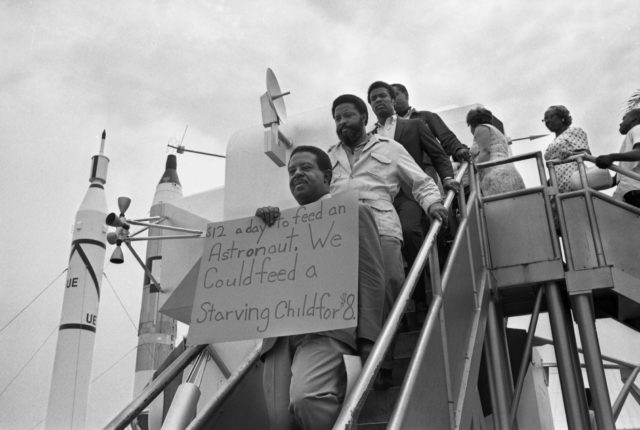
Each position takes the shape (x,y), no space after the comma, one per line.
(104,137)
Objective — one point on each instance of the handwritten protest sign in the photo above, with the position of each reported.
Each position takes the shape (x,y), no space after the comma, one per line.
(298,276)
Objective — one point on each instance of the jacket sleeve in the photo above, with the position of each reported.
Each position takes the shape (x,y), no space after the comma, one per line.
(439,158)
(371,284)
(448,140)
(423,188)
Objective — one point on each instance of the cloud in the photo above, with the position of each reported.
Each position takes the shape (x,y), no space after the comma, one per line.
(146,70)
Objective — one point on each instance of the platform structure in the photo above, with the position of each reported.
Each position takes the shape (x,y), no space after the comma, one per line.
(572,255)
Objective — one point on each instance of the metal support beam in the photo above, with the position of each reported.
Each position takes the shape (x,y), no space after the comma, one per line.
(573,393)
(497,364)
(617,405)
(526,357)
(493,395)
(583,312)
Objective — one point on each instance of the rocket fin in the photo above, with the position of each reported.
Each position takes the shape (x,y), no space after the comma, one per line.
(178,305)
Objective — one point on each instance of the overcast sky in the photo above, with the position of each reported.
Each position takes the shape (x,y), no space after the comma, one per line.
(145,70)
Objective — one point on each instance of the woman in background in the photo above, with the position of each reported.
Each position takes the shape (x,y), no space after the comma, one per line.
(569,141)
(490,144)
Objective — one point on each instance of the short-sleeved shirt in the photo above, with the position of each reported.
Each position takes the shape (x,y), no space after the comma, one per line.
(570,142)
(626,184)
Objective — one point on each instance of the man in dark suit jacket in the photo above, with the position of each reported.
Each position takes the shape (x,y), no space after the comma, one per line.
(414,135)
(418,140)
(452,146)
(304,376)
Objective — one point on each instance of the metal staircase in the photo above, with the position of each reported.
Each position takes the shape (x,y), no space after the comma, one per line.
(573,255)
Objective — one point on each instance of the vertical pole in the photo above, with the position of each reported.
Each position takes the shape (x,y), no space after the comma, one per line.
(493,394)
(575,357)
(573,394)
(553,179)
(497,364)
(504,353)
(541,173)
(593,360)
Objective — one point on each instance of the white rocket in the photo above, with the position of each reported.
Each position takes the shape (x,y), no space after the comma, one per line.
(74,352)
(156,331)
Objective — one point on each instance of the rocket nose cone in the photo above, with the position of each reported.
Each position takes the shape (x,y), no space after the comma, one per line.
(172,162)
(170,174)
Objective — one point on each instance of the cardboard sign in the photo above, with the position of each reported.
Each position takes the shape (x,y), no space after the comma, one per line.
(298,276)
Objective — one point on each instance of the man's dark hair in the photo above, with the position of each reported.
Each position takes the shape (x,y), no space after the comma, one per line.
(355,100)
(322,158)
(479,115)
(562,112)
(380,84)
(633,113)
(401,88)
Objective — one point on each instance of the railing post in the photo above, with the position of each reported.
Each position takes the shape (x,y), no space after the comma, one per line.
(553,179)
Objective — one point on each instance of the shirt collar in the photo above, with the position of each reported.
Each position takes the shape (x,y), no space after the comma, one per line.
(388,122)
(408,114)
(372,139)
(359,146)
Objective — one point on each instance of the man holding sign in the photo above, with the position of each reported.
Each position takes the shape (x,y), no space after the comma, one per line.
(304,375)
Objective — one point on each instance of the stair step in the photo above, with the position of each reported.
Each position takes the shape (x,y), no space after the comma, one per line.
(400,366)
(372,426)
(405,344)
(379,405)
(414,316)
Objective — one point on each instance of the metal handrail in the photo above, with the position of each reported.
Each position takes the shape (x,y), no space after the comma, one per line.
(155,387)
(353,403)
(431,320)
(592,159)
(234,380)
(507,160)
(513,159)
(601,196)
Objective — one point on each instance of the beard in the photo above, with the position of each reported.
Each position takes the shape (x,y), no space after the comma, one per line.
(350,134)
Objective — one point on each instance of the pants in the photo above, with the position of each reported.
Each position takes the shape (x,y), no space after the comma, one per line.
(414,226)
(304,382)
(394,278)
